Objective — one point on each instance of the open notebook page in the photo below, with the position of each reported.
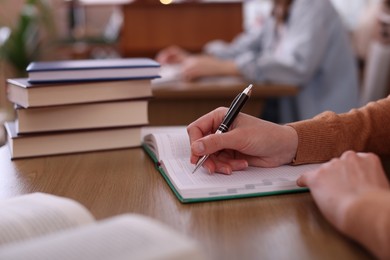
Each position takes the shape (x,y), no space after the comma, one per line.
(171,143)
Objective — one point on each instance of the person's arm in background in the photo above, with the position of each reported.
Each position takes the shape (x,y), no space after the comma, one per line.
(172,55)
(241,44)
(216,60)
(219,58)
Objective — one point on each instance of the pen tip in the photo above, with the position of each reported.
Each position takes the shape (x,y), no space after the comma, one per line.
(248,89)
(196,168)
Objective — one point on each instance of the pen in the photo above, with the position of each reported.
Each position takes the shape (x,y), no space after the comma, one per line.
(233,111)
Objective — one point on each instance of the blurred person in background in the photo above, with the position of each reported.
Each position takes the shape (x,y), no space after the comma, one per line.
(302,43)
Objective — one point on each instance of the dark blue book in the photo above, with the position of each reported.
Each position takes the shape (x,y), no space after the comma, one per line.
(92,70)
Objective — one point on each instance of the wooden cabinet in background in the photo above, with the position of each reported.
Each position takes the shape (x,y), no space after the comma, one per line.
(150,26)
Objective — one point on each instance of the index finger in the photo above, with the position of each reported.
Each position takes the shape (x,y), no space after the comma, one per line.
(206,124)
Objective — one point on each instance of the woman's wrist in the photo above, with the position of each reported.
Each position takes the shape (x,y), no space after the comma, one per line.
(291,141)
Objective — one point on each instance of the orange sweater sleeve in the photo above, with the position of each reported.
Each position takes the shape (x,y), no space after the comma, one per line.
(329,134)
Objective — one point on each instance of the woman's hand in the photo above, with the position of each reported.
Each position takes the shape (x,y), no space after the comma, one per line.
(172,55)
(249,141)
(197,66)
(352,192)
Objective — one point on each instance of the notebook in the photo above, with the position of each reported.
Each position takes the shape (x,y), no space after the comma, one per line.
(169,148)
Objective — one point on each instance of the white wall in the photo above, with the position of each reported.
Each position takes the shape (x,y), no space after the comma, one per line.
(350,11)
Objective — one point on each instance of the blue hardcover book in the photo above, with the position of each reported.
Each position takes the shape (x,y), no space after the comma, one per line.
(92,70)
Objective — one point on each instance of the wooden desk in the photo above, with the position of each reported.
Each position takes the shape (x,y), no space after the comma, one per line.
(150,26)
(125,181)
(180,103)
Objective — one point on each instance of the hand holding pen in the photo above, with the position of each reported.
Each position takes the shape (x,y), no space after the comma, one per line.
(231,114)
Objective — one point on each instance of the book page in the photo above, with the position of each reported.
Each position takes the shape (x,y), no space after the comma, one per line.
(122,237)
(37,214)
(249,181)
(169,143)
(147,130)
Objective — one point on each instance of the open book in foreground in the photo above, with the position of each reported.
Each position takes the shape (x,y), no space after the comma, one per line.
(169,148)
(43,226)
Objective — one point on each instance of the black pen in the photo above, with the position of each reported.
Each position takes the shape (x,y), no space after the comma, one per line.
(231,114)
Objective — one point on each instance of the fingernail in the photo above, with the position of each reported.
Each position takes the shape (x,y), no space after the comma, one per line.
(198,147)
(225,170)
(243,165)
(208,170)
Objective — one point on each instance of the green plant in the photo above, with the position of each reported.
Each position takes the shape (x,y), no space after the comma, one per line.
(34,25)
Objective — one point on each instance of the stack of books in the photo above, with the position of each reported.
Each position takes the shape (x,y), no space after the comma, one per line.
(80,106)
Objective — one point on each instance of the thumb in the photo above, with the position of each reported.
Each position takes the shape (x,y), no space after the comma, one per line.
(210,144)
(302,180)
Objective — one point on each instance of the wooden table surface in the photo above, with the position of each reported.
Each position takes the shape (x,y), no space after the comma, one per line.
(124,181)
